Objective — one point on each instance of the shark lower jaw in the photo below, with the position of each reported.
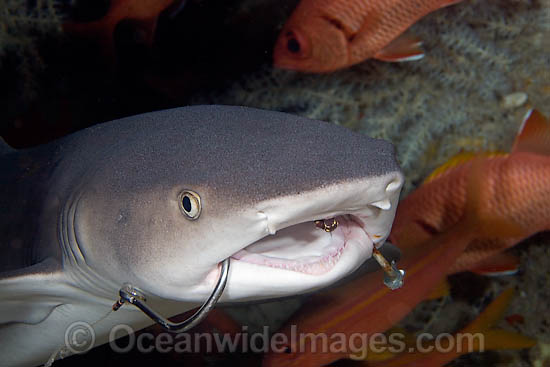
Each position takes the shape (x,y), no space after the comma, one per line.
(305,248)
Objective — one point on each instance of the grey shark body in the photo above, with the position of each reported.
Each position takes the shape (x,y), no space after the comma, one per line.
(102,207)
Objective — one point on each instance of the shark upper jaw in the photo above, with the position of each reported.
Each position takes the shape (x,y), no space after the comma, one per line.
(288,254)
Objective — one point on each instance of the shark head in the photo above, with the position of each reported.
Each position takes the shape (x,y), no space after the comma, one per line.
(166,196)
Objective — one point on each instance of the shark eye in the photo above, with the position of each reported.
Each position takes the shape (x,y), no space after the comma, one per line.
(190,204)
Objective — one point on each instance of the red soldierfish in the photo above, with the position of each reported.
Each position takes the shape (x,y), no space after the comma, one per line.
(326,35)
(367,306)
(519,187)
(144,12)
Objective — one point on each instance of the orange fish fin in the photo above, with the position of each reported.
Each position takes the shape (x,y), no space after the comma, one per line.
(448,3)
(383,351)
(496,339)
(478,251)
(100,32)
(500,264)
(504,339)
(492,313)
(403,48)
(534,134)
(478,336)
(458,160)
(380,355)
(440,291)
(102,28)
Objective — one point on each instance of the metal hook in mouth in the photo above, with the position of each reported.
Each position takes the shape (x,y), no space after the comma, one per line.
(393,277)
(326,227)
(135,296)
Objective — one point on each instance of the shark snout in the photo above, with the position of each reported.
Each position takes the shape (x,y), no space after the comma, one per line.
(314,232)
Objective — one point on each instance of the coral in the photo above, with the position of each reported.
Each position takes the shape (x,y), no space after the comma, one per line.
(542,355)
(477,54)
(22,25)
(531,303)
(535,294)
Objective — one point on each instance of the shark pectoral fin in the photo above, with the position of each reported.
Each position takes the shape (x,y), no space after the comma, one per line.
(28,295)
(28,310)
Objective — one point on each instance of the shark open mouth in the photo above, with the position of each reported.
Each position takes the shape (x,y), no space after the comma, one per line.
(305,247)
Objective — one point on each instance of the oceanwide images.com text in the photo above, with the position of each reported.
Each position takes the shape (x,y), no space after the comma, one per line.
(80,338)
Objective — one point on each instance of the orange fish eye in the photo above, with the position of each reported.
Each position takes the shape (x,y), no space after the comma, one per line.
(292,43)
(296,44)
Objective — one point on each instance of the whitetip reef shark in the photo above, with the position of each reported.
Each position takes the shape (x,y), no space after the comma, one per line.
(158,200)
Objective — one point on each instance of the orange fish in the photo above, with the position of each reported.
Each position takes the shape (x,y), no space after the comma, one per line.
(366,306)
(143,12)
(479,335)
(518,183)
(326,35)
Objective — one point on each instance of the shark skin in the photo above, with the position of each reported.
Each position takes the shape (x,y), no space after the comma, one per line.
(102,207)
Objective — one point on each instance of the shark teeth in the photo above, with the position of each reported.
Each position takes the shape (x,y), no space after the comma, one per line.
(303,247)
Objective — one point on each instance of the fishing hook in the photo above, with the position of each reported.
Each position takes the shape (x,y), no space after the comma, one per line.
(327,227)
(135,296)
(393,277)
